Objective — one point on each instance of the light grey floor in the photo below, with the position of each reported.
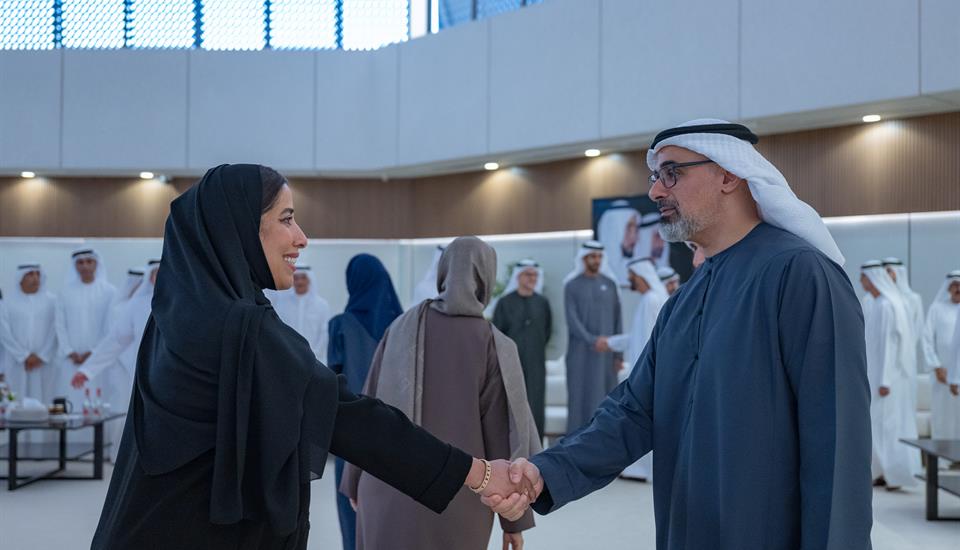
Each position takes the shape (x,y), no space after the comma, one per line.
(63,515)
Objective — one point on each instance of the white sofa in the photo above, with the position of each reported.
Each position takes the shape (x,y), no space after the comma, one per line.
(555,424)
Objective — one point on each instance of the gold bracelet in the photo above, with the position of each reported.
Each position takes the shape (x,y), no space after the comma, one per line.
(486,477)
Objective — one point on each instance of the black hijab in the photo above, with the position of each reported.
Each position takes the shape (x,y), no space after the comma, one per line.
(218,371)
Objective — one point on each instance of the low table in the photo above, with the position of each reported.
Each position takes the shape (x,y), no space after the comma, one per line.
(62,452)
(935,449)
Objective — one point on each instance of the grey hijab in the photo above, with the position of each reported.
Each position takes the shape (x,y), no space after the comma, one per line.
(465,279)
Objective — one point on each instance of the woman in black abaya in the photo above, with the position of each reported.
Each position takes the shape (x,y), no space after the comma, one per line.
(231,415)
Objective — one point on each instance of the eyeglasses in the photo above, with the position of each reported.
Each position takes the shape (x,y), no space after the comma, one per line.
(670,173)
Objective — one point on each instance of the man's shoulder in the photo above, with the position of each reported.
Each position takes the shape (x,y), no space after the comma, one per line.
(336,320)
(541,298)
(781,251)
(781,244)
(607,279)
(509,297)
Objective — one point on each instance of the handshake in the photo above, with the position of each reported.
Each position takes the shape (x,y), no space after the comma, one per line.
(508,488)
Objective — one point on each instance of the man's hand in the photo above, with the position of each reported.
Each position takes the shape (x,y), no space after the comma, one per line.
(601,344)
(941,373)
(513,506)
(79,379)
(955,389)
(884,391)
(512,493)
(84,356)
(512,541)
(76,358)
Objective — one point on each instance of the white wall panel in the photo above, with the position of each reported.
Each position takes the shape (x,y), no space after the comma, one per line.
(934,251)
(544,76)
(444,118)
(667,62)
(125,109)
(30,109)
(800,56)
(356,109)
(255,107)
(535,79)
(940,45)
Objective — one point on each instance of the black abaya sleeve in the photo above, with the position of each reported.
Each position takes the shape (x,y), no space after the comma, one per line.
(384,443)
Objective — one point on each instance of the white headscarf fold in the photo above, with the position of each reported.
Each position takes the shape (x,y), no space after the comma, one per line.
(519,268)
(776,202)
(610,232)
(145,289)
(586,248)
(427,287)
(650,229)
(644,268)
(667,274)
(943,294)
(308,271)
(73,278)
(22,270)
(903,278)
(881,280)
(131,283)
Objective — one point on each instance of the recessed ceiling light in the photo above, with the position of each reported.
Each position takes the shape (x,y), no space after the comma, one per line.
(146,175)
(871,118)
(26,174)
(491,166)
(592,153)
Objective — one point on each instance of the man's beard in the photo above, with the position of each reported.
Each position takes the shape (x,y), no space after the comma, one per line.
(681,228)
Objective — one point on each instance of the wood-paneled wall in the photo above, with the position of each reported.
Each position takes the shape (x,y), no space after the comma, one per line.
(910,165)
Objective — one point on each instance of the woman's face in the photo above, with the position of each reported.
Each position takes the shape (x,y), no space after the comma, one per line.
(281,239)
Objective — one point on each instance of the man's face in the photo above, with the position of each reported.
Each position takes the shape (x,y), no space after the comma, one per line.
(672,286)
(630,234)
(30,283)
(868,286)
(301,283)
(591,262)
(656,244)
(892,273)
(527,280)
(638,283)
(86,268)
(693,204)
(955,292)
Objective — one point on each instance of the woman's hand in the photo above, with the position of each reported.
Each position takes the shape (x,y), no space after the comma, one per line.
(512,541)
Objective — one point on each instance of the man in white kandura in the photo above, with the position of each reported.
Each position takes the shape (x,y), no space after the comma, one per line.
(938,343)
(113,363)
(911,299)
(302,308)
(27,334)
(427,287)
(670,279)
(891,370)
(82,315)
(643,279)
